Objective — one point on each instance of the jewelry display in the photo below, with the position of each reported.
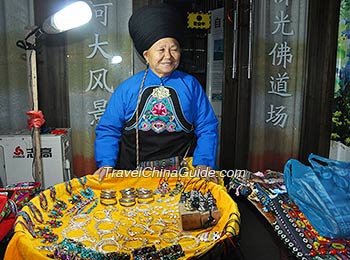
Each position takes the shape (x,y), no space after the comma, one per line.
(116,236)
(163,187)
(138,253)
(112,212)
(26,217)
(92,207)
(169,235)
(137,229)
(87,241)
(108,197)
(145,220)
(54,223)
(101,214)
(143,208)
(167,220)
(172,252)
(82,181)
(188,239)
(209,236)
(80,206)
(74,199)
(43,201)
(130,243)
(58,204)
(40,232)
(87,193)
(69,187)
(156,227)
(93,230)
(127,221)
(143,192)
(47,235)
(73,232)
(106,226)
(128,193)
(145,199)
(127,202)
(28,227)
(35,212)
(110,243)
(70,249)
(178,188)
(129,212)
(80,220)
(55,213)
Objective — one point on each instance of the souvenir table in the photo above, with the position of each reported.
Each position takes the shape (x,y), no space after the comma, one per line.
(101,220)
(267,192)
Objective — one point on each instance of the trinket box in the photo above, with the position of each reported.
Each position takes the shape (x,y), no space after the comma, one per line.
(195,219)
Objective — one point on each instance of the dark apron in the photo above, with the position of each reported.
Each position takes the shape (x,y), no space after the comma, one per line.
(164,132)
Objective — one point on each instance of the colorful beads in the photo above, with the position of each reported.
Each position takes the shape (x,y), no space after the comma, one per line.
(43,201)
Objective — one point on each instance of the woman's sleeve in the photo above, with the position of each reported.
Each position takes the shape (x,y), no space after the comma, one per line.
(109,130)
(205,128)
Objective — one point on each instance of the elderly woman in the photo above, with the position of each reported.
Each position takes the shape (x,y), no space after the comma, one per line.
(161,114)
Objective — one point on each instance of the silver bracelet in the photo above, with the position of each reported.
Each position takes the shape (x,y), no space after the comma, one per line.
(132,232)
(106,242)
(69,229)
(76,220)
(144,242)
(103,231)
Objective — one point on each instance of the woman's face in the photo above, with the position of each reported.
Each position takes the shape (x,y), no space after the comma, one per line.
(163,57)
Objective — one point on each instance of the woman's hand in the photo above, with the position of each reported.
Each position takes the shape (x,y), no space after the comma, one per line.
(102,172)
(206,172)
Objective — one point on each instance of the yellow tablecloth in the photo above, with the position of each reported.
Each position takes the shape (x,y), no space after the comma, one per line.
(24,246)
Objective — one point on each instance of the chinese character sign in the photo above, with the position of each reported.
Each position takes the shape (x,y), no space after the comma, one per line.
(279,48)
(93,76)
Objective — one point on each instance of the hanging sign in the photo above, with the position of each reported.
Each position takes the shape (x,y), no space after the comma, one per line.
(198,20)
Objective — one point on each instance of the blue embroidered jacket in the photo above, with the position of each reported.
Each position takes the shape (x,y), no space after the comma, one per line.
(170,107)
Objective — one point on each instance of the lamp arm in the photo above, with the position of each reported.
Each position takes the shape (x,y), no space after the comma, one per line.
(29,43)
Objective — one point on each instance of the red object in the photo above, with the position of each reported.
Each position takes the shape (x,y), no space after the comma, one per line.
(313,253)
(58,131)
(36,119)
(333,251)
(6,225)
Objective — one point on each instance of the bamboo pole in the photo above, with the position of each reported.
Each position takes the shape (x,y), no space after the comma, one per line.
(37,163)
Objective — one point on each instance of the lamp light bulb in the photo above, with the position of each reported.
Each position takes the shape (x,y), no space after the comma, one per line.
(116,59)
(71,16)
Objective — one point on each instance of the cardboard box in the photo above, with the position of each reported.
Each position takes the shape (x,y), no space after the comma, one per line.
(191,220)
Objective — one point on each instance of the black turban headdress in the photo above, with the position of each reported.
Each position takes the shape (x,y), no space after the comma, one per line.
(151,23)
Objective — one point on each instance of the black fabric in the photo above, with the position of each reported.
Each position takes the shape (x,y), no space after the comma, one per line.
(228,248)
(151,23)
(152,145)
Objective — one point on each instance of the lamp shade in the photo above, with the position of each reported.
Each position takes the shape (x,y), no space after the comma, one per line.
(71,16)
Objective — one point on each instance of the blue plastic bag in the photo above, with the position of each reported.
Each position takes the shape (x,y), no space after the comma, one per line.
(322,193)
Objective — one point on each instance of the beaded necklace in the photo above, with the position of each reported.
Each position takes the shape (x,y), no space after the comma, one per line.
(35,212)
(43,201)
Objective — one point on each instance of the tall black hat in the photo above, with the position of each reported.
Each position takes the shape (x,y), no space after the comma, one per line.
(151,23)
